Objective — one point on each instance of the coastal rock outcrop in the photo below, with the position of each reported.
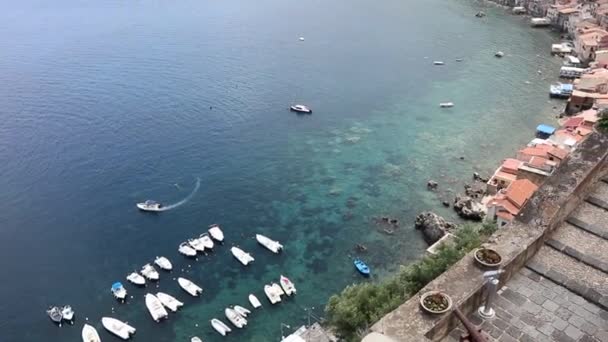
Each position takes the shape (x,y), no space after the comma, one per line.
(433,226)
(468,208)
(432,185)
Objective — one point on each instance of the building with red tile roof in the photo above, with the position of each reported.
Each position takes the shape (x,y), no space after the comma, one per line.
(508,202)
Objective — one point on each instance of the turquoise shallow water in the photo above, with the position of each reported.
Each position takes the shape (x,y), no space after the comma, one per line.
(104,105)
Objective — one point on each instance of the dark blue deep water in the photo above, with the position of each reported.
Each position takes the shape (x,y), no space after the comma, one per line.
(107,103)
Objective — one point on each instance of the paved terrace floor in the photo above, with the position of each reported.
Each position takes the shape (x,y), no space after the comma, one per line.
(562,293)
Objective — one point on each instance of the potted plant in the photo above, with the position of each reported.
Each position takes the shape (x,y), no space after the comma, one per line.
(487,257)
(435,302)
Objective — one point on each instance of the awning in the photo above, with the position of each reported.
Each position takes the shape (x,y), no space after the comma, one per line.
(545,129)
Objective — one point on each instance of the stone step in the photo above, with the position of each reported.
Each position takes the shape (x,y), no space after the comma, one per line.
(589,228)
(578,277)
(592,216)
(598,202)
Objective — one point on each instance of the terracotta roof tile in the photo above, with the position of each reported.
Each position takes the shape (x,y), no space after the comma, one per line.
(520,191)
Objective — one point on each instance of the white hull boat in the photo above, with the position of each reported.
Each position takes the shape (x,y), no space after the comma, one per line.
(156,308)
(163,263)
(206,240)
(271,245)
(169,301)
(149,272)
(89,334)
(196,244)
(446,105)
(255,302)
(241,311)
(136,279)
(220,327)
(150,206)
(189,287)
(196,339)
(270,292)
(300,108)
(55,314)
(68,314)
(216,233)
(438,63)
(186,250)
(240,255)
(277,289)
(287,286)
(118,328)
(119,291)
(234,318)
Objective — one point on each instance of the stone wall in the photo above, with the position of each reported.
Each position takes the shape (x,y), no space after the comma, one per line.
(547,209)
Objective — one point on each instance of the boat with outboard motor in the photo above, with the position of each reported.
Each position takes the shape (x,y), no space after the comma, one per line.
(169,301)
(244,312)
(149,272)
(89,334)
(197,244)
(68,314)
(117,327)
(220,327)
(119,291)
(163,263)
(242,256)
(300,109)
(136,279)
(271,245)
(216,233)
(255,302)
(190,287)
(287,286)
(185,249)
(234,318)
(55,314)
(273,296)
(155,307)
(150,205)
(206,240)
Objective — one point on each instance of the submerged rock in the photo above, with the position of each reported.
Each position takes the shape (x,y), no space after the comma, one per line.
(468,208)
(433,226)
(431,184)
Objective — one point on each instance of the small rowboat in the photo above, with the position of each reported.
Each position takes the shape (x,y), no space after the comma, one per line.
(362,267)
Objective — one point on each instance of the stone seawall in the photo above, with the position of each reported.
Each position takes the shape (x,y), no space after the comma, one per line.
(517,243)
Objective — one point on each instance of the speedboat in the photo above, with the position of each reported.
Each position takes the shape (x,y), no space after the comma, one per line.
(255,302)
(169,301)
(220,327)
(287,285)
(446,104)
(240,255)
(189,287)
(206,240)
(196,339)
(499,54)
(163,263)
(136,279)
(68,314)
(89,334)
(272,295)
(362,267)
(236,319)
(241,310)
(55,314)
(156,308)
(277,289)
(300,109)
(273,246)
(118,328)
(438,63)
(150,206)
(197,244)
(301,39)
(186,250)
(149,272)
(216,233)
(119,291)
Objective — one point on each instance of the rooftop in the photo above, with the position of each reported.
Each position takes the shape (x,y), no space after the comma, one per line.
(520,191)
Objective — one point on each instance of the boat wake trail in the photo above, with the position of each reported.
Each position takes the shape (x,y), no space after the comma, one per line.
(175,205)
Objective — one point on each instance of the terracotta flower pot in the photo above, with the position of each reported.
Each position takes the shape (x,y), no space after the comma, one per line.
(487,257)
(435,302)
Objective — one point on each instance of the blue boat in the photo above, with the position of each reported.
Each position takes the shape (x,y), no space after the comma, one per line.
(119,291)
(362,267)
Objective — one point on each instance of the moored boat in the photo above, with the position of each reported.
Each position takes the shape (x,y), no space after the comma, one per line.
(136,279)
(55,314)
(89,334)
(68,314)
(499,54)
(118,328)
(220,327)
(216,233)
(189,287)
(236,319)
(272,295)
(244,312)
(242,256)
(169,301)
(446,104)
(438,63)
(197,244)
(287,285)
(255,302)
(362,267)
(271,245)
(300,109)
(149,272)
(155,307)
(163,263)
(196,339)
(119,291)
(150,206)
(277,289)
(206,240)
(185,249)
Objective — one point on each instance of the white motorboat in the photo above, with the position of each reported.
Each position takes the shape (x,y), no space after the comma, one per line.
(163,263)
(287,285)
(499,54)
(301,39)
(271,245)
(438,63)
(68,314)
(241,310)
(169,301)
(277,289)
(272,295)
(156,308)
(149,272)
(216,233)
(89,334)
(55,314)
(206,240)
(189,287)
(136,279)
(196,339)
(255,302)
(300,109)
(220,327)
(197,244)
(242,256)
(118,328)
(446,104)
(236,319)
(119,291)
(150,206)
(185,249)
